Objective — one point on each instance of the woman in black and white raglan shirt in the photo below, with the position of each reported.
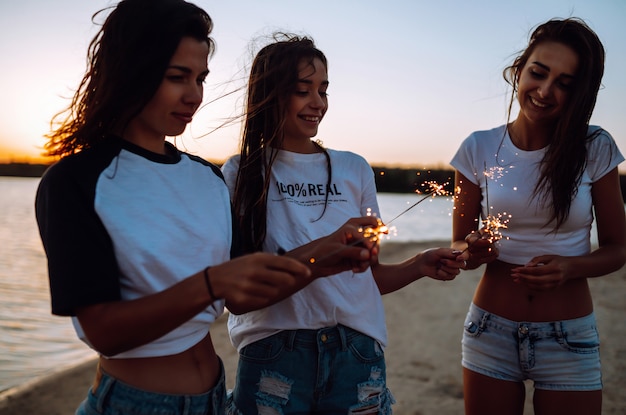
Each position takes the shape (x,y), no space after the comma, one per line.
(138,234)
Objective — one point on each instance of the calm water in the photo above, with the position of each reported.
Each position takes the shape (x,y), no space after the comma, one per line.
(34,343)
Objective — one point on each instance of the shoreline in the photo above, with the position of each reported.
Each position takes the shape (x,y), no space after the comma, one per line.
(423,357)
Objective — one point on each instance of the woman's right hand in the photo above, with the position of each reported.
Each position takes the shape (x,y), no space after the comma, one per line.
(481,249)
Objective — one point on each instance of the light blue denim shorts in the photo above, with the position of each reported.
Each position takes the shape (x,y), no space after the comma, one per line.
(330,371)
(558,355)
(113,397)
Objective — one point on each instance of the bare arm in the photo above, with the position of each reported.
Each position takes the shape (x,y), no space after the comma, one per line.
(549,271)
(611,225)
(437,263)
(255,279)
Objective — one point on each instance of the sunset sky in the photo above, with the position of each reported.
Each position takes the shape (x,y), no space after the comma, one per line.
(409,80)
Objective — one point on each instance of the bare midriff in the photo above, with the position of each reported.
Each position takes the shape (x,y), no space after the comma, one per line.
(499,294)
(194,371)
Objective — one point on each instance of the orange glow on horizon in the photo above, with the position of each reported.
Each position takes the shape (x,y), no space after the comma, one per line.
(20,155)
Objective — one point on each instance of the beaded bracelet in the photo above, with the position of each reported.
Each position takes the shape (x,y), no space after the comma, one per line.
(208,284)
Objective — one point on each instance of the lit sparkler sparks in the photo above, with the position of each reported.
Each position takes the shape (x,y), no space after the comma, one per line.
(373,234)
(493,223)
(494,173)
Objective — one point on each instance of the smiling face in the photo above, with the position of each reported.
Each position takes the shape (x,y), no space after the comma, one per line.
(309,102)
(176,100)
(545,82)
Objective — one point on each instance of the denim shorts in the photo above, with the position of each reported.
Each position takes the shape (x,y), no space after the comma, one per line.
(113,397)
(558,355)
(333,370)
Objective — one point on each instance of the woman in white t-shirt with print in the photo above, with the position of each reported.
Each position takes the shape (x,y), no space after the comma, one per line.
(321,349)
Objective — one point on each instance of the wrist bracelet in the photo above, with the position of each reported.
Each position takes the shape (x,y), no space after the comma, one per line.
(208,284)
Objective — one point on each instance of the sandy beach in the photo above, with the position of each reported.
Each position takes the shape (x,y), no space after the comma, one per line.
(423,356)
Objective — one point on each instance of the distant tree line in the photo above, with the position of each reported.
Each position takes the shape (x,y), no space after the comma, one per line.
(22,169)
(388,180)
(407,180)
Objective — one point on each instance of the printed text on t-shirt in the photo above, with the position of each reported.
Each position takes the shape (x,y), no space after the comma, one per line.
(307,189)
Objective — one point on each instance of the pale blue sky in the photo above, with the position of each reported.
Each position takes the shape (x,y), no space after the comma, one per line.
(409,80)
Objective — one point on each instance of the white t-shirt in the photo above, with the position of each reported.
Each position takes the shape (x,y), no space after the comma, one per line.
(295,201)
(507,177)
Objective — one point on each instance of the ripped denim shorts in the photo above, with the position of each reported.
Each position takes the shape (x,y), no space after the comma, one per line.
(334,370)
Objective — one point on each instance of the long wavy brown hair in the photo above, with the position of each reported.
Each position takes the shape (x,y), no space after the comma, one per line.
(273,79)
(126,62)
(566,156)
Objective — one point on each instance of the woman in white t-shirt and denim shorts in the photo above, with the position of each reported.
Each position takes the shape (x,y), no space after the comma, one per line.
(543,176)
(320,350)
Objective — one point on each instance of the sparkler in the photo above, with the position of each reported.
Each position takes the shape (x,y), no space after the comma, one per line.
(492,224)
(435,189)
(372,234)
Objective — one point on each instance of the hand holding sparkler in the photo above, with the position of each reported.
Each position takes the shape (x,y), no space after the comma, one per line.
(481,249)
(481,244)
(441,264)
(372,233)
(351,247)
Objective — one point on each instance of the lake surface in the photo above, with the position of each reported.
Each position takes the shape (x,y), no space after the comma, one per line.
(32,341)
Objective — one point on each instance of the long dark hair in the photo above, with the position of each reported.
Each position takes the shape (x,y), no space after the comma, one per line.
(127,60)
(273,79)
(565,159)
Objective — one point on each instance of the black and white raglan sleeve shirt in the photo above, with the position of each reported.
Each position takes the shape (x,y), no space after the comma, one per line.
(119,222)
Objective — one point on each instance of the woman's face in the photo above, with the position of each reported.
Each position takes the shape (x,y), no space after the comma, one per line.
(176,100)
(546,81)
(308,104)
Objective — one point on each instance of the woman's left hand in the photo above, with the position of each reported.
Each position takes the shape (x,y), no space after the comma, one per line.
(542,273)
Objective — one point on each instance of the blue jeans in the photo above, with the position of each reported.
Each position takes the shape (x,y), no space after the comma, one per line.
(113,397)
(557,355)
(334,370)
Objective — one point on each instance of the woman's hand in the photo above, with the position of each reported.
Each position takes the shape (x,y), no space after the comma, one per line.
(354,246)
(257,280)
(543,273)
(481,249)
(442,264)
